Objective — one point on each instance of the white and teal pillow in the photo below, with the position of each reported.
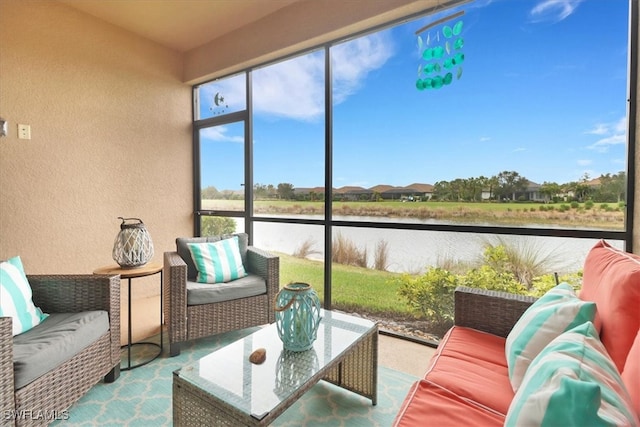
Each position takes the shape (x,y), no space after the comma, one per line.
(15,297)
(555,312)
(572,382)
(217,262)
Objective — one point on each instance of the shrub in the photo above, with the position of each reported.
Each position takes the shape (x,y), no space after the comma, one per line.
(216,225)
(486,277)
(588,204)
(521,258)
(575,205)
(431,294)
(543,283)
(514,267)
(604,206)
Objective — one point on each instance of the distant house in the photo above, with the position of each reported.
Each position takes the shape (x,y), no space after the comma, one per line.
(531,193)
(414,192)
(425,190)
(352,193)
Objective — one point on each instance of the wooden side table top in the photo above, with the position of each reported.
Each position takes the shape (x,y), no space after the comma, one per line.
(126,273)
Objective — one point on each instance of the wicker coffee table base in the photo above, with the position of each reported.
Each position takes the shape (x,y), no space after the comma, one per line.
(356,370)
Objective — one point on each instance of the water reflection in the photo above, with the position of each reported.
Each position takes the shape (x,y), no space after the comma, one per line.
(293,370)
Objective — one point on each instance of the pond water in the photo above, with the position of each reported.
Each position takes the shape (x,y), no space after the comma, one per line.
(413,251)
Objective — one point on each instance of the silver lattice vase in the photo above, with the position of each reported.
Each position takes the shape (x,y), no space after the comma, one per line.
(133,246)
(297,316)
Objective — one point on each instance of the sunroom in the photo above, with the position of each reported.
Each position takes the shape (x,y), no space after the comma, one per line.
(202,117)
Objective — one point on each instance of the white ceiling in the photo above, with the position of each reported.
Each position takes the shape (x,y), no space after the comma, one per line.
(179,24)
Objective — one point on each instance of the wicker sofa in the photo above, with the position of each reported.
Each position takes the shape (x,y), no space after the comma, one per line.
(65,298)
(467,381)
(212,314)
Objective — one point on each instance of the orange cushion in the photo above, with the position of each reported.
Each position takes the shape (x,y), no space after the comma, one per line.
(469,363)
(631,374)
(428,404)
(612,280)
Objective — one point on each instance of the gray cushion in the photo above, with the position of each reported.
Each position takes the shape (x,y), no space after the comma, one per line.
(54,341)
(206,293)
(185,254)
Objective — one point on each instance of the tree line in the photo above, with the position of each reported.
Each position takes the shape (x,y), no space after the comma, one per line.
(507,185)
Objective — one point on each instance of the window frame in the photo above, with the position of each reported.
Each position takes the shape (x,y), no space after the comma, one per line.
(328,223)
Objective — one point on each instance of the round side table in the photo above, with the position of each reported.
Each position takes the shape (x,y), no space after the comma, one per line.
(132,273)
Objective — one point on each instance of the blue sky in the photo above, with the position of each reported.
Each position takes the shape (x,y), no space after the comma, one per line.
(542,92)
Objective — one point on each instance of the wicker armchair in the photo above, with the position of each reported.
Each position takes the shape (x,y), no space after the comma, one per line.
(54,392)
(188,322)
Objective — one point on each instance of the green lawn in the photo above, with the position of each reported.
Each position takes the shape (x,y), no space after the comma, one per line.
(353,288)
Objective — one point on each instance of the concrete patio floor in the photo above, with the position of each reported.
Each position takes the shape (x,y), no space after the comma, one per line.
(403,355)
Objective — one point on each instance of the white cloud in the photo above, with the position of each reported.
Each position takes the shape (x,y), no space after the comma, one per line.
(621,126)
(295,88)
(219,133)
(612,133)
(599,129)
(353,60)
(519,149)
(292,88)
(584,162)
(484,138)
(553,10)
(603,144)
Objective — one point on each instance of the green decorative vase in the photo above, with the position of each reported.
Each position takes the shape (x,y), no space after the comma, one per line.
(297,316)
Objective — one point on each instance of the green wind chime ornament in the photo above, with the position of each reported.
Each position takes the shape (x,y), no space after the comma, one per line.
(441,53)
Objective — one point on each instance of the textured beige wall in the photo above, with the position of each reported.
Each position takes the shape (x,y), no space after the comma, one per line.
(110,136)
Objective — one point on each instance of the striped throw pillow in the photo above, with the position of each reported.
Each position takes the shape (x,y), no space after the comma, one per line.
(555,312)
(572,382)
(15,297)
(217,262)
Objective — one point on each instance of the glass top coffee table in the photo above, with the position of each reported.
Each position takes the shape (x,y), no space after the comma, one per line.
(224,388)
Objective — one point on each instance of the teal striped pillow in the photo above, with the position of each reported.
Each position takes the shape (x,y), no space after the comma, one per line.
(555,312)
(572,382)
(15,297)
(217,262)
